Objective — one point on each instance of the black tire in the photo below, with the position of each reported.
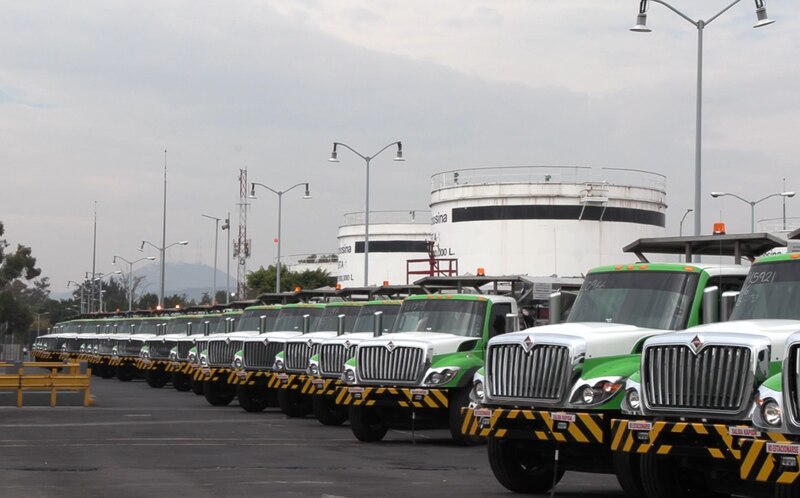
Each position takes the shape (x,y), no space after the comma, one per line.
(327,411)
(156,379)
(253,398)
(520,467)
(628,468)
(125,373)
(216,393)
(293,403)
(107,372)
(181,382)
(367,424)
(787,490)
(663,478)
(460,399)
(197,387)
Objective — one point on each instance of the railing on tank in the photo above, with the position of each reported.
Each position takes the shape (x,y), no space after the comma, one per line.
(548,174)
(419,216)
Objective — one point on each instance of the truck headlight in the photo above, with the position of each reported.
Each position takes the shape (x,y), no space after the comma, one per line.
(238,364)
(203,360)
(192,357)
(440,376)
(349,376)
(771,413)
(173,356)
(596,392)
(313,368)
(633,399)
(476,395)
(279,365)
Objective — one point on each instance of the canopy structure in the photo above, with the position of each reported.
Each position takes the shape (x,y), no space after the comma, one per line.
(749,246)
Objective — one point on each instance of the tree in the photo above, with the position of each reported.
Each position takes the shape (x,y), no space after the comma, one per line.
(15,268)
(263,280)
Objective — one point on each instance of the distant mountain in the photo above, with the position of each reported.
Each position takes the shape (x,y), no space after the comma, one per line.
(180,278)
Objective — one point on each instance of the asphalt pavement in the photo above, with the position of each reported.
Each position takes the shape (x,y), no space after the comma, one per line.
(138,441)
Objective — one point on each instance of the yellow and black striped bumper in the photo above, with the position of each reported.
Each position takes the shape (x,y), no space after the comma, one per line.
(301,383)
(181,367)
(329,387)
(402,397)
(772,458)
(536,425)
(692,439)
(253,377)
(215,374)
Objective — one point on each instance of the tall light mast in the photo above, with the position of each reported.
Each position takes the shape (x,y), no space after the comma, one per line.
(241,247)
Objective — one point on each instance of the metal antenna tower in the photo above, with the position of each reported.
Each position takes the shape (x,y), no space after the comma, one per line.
(241,247)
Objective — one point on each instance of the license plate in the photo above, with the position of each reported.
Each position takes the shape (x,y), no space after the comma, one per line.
(283,376)
(206,371)
(355,390)
(563,417)
(318,382)
(640,426)
(419,392)
(743,431)
(483,413)
(241,374)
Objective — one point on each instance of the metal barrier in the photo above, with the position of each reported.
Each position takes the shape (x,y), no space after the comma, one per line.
(74,376)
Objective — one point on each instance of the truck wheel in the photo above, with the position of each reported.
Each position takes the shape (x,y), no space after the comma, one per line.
(327,411)
(197,387)
(181,382)
(216,394)
(125,373)
(252,398)
(628,468)
(156,379)
(367,424)
(107,372)
(787,490)
(460,399)
(662,478)
(293,404)
(521,469)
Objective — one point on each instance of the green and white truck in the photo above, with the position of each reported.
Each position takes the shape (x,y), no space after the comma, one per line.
(420,375)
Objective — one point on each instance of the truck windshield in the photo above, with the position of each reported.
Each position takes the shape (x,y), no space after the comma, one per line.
(456,316)
(771,290)
(366,320)
(649,299)
(251,320)
(291,319)
(330,318)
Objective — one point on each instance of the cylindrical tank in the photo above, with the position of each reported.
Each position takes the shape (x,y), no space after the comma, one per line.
(394,238)
(543,220)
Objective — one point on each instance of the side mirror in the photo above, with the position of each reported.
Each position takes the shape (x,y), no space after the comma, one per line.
(711,304)
(306,323)
(555,308)
(340,325)
(262,324)
(377,331)
(729,299)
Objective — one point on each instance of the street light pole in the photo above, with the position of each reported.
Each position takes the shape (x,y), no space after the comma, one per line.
(162,250)
(279,193)
(130,275)
(641,27)
(335,159)
(680,226)
(163,237)
(216,240)
(227,226)
(752,203)
(99,281)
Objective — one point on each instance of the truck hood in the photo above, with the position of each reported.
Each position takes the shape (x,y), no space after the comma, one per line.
(279,336)
(776,332)
(438,342)
(314,336)
(600,339)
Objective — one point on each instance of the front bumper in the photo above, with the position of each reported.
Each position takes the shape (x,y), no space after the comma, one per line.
(721,442)
(771,458)
(397,397)
(536,425)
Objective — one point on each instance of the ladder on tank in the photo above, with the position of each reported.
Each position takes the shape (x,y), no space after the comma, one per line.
(594,194)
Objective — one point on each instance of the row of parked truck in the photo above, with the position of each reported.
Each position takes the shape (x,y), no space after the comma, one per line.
(680,378)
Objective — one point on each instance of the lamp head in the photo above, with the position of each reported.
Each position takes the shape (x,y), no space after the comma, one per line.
(716,194)
(141,247)
(761,14)
(151,258)
(252,191)
(307,193)
(114,261)
(183,242)
(399,156)
(641,24)
(334,157)
(787,194)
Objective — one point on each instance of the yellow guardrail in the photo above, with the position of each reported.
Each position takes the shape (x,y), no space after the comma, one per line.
(57,376)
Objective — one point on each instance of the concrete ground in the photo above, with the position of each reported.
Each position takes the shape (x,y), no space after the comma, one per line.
(138,441)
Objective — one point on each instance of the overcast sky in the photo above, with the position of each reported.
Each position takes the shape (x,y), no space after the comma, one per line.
(93,92)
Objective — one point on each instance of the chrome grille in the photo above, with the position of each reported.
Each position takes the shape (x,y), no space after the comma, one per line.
(717,378)
(74,345)
(183,349)
(543,372)
(261,356)
(298,354)
(220,353)
(129,348)
(793,379)
(105,346)
(332,358)
(379,364)
(159,350)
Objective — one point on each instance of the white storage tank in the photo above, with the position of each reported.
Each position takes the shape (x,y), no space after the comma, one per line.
(543,220)
(394,238)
